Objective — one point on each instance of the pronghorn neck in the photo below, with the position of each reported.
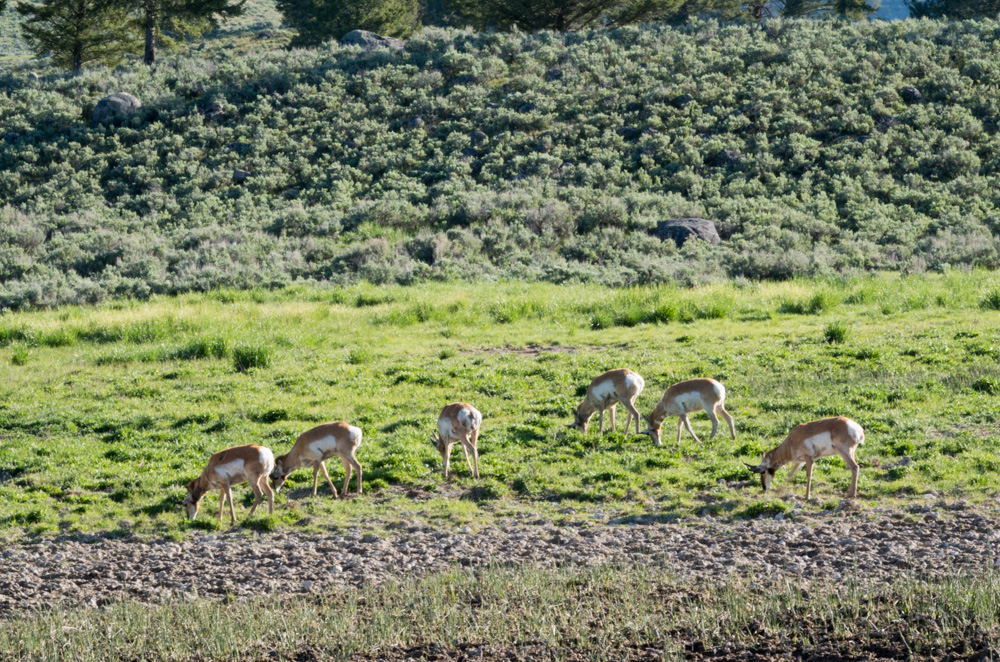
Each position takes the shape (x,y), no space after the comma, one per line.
(288,462)
(780,456)
(656,418)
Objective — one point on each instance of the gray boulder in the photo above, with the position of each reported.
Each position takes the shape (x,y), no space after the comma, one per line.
(369,41)
(682,229)
(115,107)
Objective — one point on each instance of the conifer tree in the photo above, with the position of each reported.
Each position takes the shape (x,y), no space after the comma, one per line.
(955,9)
(157,17)
(321,20)
(77,32)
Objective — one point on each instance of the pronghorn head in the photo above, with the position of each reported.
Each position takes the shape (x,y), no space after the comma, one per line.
(580,422)
(765,469)
(653,432)
(439,443)
(279,474)
(192,500)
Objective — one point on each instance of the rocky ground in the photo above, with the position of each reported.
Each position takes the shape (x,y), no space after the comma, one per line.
(931,540)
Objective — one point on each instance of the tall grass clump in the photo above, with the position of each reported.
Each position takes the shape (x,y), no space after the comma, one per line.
(247,356)
(814,305)
(991,301)
(835,333)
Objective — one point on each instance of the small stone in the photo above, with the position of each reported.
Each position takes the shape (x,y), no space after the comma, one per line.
(527,108)
(240,176)
(779,517)
(369,41)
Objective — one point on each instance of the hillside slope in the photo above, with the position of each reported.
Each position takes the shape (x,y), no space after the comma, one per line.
(545,156)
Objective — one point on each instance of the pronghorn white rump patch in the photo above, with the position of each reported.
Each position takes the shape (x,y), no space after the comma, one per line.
(855,432)
(634,384)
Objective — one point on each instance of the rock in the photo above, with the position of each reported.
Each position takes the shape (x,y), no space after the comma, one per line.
(415,122)
(905,461)
(682,229)
(478,137)
(240,176)
(727,157)
(527,108)
(33,76)
(553,75)
(114,108)
(911,95)
(369,41)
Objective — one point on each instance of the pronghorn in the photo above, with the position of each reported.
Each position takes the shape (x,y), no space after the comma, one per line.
(250,463)
(807,443)
(682,398)
(605,392)
(459,422)
(314,447)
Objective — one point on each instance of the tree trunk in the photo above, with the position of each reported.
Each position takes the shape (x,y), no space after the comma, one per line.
(77,59)
(150,57)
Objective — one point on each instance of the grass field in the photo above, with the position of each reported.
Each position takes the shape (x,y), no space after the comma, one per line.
(106,412)
(576,614)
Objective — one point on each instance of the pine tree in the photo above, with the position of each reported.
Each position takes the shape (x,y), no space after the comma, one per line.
(77,32)
(320,20)
(154,17)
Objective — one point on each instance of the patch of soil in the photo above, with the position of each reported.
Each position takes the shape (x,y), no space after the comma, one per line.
(534,350)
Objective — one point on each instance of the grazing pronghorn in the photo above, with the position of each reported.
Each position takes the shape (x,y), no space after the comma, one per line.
(459,423)
(250,463)
(605,392)
(682,398)
(314,447)
(807,443)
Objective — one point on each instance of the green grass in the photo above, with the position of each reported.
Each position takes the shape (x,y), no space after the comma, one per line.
(109,426)
(594,613)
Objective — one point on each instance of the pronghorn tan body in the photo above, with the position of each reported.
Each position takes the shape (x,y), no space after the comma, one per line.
(250,463)
(314,447)
(606,392)
(808,442)
(689,396)
(459,423)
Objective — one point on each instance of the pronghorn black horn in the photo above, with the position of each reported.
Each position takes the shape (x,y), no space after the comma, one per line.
(754,468)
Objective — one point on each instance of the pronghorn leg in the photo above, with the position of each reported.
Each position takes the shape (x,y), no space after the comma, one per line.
(600,420)
(256,496)
(687,424)
(715,422)
(266,488)
(322,467)
(465,452)
(315,478)
(222,502)
(357,468)
(632,413)
(680,422)
(853,464)
(347,475)
(446,456)
(809,479)
(475,453)
(729,419)
(613,419)
(232,511)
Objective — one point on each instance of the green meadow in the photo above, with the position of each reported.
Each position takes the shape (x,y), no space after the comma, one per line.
(107,411)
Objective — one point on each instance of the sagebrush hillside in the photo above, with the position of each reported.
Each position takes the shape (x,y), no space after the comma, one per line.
(538,156)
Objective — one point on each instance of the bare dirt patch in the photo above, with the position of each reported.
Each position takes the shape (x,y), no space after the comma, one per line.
(870,546)
(535,350)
